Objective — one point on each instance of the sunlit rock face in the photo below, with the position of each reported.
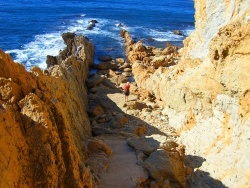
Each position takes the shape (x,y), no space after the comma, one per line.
(210,16)
(206,95)
(43,121)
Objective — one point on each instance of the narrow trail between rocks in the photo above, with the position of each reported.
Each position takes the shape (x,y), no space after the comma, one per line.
(142,154)
(123,172)
(118,99)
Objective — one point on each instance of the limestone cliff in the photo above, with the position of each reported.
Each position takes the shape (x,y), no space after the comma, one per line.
(44,126)
(206,95)
(210,16)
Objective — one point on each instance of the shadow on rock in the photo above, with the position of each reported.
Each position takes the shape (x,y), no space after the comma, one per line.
(156,151)
(200,178)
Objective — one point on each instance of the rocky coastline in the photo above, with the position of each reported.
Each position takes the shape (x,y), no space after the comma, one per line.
(189,108)
(45,130)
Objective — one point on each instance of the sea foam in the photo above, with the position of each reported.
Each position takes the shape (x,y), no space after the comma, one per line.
(35,52)
(104,35)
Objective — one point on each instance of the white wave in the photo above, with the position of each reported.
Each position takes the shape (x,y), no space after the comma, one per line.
(165,36)
(188,32)
(35,52)
(80,21)
(169,35)
(104,28)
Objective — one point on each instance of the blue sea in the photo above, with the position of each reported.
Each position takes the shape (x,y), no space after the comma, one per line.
(31,29)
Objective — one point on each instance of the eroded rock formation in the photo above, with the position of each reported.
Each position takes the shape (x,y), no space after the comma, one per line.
(45,134)
(206,94)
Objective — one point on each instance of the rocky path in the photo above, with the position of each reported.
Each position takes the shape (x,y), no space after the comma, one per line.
(144,151)
(123,172)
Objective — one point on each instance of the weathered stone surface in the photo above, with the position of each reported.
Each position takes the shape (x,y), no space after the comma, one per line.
(125,65)
(178,32)
(95,109)
(169,50)
(127,70)
(127,74)
(210,16)
(120,61)
(149,56)
(159,61)
(94,80)
(10,92)
(139,130)
(107,65)
(166,165)
(202,97)
(91,24)
(147,144)
(95,145)
(117,121)
(44,121)
(51,61)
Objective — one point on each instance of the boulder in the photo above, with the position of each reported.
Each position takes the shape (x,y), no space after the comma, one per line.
(158,61)
(121,118)
(150,143)
(178,32)
(90,26)
(169,50)
(106,65)
(94,80)
(126,74)
(119,25)
(93,21)
(95,145)
(105,58)
(139,130)
(10,92)
(166,165)
(125,65)
(127,70)
(120,60)
(68,38)
(95,109)
(145,144)
(117,121)
(51,61)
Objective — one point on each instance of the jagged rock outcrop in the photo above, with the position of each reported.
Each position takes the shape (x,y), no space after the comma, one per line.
(149,56)
(45,132)
(206,94)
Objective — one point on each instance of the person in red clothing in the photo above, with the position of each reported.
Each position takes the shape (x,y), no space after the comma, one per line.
(126,91)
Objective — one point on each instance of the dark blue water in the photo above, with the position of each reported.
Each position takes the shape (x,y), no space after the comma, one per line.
(31,29)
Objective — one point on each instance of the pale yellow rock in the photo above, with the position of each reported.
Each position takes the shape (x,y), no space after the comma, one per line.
(206,94)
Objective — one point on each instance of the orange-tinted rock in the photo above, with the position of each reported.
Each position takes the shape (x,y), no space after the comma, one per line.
(44,122)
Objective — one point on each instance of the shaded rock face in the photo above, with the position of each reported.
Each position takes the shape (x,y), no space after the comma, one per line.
(44,121)
(206,100)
